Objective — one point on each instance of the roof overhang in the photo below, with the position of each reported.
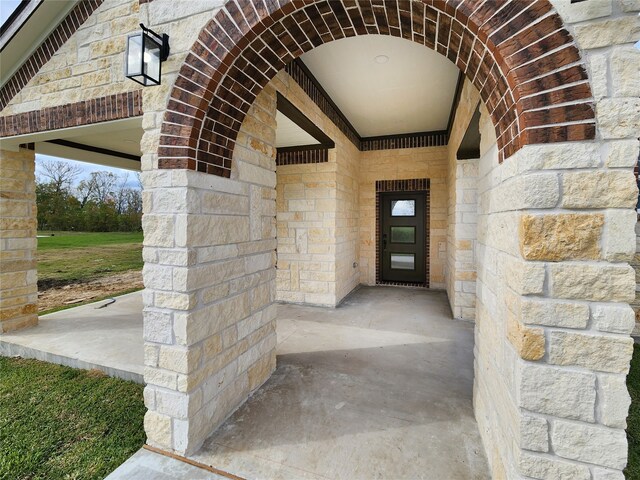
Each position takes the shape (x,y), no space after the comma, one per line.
(26,29)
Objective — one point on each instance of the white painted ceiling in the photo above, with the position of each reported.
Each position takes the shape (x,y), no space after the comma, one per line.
(289,134)
(412,92)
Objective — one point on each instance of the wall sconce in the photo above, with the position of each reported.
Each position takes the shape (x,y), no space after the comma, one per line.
(146,50)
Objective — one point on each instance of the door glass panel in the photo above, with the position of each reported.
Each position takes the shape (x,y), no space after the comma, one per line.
(403,234)
(403,208)
(403,261)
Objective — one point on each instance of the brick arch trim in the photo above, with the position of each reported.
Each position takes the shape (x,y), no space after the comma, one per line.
(517,54)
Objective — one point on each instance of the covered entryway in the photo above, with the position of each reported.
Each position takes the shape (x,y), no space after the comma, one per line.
(530,235)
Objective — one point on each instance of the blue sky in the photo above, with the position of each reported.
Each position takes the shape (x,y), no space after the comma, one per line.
(6,7)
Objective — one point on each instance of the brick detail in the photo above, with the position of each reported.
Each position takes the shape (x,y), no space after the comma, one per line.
(300,157)
(411,140)
(508,53)
(76,17)
(103,109)
(408,185)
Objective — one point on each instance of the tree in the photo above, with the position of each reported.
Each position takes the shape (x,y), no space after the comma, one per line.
(100,188)
(60,175)
(103,202)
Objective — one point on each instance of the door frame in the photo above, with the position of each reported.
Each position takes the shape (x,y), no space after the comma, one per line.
(420,185)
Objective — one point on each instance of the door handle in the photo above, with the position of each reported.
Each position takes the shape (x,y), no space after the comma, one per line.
(384,241)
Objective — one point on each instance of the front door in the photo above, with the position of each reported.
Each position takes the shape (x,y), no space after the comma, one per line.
(402,241)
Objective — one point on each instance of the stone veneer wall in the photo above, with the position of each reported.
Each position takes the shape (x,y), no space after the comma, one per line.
(552,344)
(462,179)
(317,215)
(400,164)
(209,316)
(556,230)
(90,64)
(18,276)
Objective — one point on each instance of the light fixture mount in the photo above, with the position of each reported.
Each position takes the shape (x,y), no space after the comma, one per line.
(381,59)
(146,50)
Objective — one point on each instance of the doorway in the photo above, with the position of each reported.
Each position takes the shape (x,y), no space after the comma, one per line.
(403,237)
(402,217)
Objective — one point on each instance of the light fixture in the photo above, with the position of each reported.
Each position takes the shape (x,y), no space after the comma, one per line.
(146,50)
(381,59)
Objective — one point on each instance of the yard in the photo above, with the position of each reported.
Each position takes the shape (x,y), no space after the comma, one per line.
(77,267)
(633,420)
(60,423)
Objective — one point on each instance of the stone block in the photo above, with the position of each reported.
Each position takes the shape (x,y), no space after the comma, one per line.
(607,474)
(158,230)
(561,236)
(618,117)
(558,392)
(607,32)
(596,352)
(554,313)
(528,342)
(614,400)
(573,13)
(543,468)
(625,65)
(557,156)
(590,443)
(599,189)
(179,359)
(599,75)
(157,326)
(620,238)
(158,429)
(612,283)
(525,278)
(613,318)
(622,153)
(534,433)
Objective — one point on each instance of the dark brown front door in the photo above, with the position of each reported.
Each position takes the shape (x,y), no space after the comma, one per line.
(403,237)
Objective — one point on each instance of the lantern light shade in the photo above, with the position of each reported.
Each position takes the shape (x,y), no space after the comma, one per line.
(146,50)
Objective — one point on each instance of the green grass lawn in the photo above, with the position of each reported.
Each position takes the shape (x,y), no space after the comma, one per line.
(633,420)
(61,423)
(73,257)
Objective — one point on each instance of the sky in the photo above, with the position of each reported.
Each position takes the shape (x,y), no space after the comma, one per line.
(6,7)
(87,168)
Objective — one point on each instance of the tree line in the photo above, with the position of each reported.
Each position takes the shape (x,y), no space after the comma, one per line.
(101,203)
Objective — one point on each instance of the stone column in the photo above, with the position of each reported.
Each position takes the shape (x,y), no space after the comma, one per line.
(18,223)
(556,233)
(209,252)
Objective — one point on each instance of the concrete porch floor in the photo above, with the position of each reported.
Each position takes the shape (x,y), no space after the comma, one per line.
(107,339)
(380,387)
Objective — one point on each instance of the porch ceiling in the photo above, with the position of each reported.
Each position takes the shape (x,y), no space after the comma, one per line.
(412,92)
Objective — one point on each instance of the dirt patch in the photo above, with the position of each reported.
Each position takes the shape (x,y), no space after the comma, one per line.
(77,293)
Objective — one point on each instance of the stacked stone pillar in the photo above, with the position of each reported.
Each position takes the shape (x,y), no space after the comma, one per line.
(556,233)
(209,318)
(18,223)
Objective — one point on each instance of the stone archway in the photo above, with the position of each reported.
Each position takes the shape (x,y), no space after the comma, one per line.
(503,51)
(540,279)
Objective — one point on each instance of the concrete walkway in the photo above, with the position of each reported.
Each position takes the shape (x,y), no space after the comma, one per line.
(146,465)
(107,339)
